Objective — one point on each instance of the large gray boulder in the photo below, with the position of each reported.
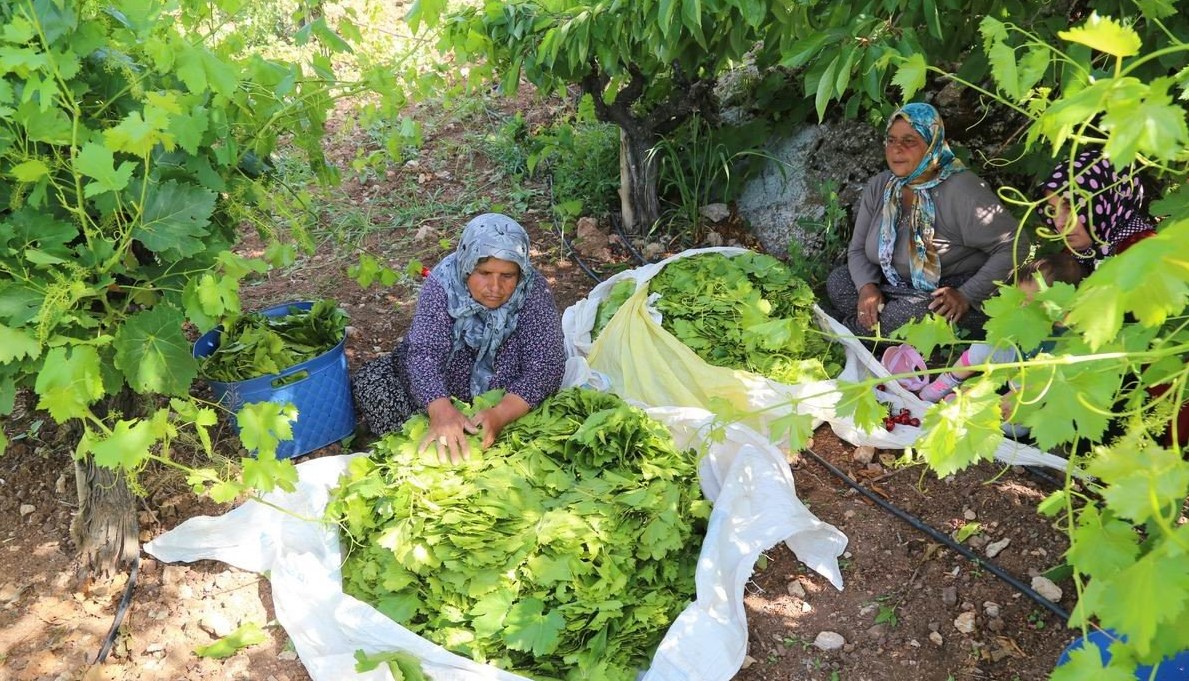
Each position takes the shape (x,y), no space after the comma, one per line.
(786,201)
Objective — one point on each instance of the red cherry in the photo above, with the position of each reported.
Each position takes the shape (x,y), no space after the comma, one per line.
(889,424)
(881,388)
(424,272)
(905,412)
(914,422)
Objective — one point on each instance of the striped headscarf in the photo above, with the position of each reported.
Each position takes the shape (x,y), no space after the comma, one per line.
(1109,204)
(477,326)
(937,164)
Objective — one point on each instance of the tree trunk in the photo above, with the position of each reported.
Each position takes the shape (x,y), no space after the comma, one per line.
(106,531)
(638,182)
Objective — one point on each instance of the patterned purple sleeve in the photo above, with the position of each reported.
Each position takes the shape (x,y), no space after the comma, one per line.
(532,361)
(429,342)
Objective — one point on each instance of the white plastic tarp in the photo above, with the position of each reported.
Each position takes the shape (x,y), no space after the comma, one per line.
(755,507)
(771,399)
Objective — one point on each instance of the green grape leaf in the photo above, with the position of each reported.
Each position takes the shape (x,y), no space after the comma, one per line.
(1003,69)
(528,628)
(489,612)
(154,354)
(98,162)
(1141,598)
(1062,402)
(199,69)
(962,431)
(1153,126)
(69,382)
(209,298)
(1102,545)
(247,634)
(30,171)
(130,442)
(1086,663)
(1142,484)
(910,76)
(1105,35)
(137,136)
(1150,280)
(175,218)
(16,344)
(1014,320)
(264,424)
(926,334)
(266,473)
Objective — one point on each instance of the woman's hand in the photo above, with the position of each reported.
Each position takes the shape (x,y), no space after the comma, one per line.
(870,305)
(949,303)
(448,429)
(491,421)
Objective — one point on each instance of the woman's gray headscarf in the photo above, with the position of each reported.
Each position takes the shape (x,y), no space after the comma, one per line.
(476,326)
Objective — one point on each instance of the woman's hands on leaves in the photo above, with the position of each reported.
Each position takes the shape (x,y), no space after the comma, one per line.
(949,303)
(870,305)
(491,421)
(448,428)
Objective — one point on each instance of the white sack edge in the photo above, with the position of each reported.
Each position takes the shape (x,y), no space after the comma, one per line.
(776,399)
(755,507)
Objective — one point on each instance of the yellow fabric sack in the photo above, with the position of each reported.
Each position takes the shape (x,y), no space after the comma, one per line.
(647,363)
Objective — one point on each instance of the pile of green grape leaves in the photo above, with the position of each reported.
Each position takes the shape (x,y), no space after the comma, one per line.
(564,551)
(256,344)
(749,312)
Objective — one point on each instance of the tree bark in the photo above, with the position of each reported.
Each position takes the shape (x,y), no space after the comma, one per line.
(105,530)
(638,179)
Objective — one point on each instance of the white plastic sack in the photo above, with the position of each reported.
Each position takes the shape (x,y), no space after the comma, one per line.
(755,507)
(771,399)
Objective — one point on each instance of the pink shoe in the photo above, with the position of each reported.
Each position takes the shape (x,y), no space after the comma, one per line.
(941,387)
(904,359)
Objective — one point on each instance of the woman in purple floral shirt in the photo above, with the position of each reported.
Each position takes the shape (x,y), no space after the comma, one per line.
(485,319)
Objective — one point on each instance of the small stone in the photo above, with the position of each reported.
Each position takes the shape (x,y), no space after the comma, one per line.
(867,609)
(287,655)
(60,485)
(965,623)
(877,631)
(864,455)
(26,509)
(991,609)
(995,547)
(936,638)
(748,661)
(829,640)
(1045,587)
(796,590)
(969,514)
(715,212)
(996,625)
(949,595)
(215,624)
(848,514)
(806,607)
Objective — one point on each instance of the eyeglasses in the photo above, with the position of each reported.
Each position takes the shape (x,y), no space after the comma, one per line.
(907,143)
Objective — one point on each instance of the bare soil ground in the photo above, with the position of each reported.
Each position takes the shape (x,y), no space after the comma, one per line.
(912,608)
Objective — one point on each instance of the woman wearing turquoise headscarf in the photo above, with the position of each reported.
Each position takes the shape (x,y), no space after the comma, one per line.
(930,236)
(485,319)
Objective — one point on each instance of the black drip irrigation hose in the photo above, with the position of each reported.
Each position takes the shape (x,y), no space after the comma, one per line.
(617,223)
(125,601)
(943,538)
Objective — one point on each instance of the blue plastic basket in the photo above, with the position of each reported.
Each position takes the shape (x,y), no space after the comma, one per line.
(1175,668)
(325,411)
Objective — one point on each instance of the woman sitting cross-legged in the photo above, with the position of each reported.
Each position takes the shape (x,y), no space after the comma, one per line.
(930,236)
(485,319)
